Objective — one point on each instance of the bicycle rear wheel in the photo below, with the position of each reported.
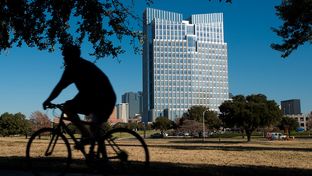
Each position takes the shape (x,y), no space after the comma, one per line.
(48,153)
(126,151)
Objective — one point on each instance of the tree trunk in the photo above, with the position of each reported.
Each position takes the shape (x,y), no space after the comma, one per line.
(248,134)
(243,134)
(286,131)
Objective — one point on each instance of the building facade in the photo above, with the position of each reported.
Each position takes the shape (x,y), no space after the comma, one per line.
(301,119)
(291,107)
(185,63)
(122,112)
(134,100)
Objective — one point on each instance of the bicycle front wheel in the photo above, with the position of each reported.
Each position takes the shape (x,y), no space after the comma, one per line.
(126,151)
(48,153)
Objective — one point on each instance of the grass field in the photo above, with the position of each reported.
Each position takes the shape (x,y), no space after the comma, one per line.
(229,152)
(234,152)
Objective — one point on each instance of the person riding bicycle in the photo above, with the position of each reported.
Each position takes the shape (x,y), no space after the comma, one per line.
(95,97)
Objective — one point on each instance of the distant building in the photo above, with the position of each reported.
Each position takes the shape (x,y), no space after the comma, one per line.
(185,63)
(291,107)
(302,120)
(134,101)
(231,95)
(113,117)
(122,112)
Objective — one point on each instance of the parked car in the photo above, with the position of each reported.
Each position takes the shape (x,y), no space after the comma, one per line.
(300,129)
(276,136)
(157,135)
(186,134)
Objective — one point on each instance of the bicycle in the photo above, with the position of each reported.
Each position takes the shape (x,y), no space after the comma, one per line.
(111,151)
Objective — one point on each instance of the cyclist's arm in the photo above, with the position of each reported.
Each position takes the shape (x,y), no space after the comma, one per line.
(62,84)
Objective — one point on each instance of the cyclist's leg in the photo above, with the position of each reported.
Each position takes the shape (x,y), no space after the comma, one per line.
(101,111)
(97,119)
(100,115)
(71,109)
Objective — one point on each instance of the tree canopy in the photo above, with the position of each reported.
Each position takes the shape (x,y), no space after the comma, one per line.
(249,112)
(163,124)
(39,120)
(287,124)
(43,24)
(195,113)
(297,25)
(46,23)
(13,124)
(199,112)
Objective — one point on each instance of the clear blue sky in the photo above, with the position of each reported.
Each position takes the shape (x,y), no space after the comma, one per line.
(28,75)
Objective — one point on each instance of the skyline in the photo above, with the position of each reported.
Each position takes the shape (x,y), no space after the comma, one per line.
(28,75)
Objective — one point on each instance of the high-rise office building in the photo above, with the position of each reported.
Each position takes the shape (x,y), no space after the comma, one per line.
(134,101)
(291,107)
(184,63)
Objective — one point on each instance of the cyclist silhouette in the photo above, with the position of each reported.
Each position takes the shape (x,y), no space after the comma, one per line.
(96,96)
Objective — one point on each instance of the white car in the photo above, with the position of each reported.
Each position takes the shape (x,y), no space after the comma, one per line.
(276,136)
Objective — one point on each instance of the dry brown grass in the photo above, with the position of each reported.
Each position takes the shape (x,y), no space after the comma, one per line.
(228,152)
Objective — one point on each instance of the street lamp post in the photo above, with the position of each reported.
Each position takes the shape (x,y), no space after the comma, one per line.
(144,130)
(204,124)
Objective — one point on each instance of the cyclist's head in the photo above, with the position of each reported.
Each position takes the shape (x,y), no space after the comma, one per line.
(71,53)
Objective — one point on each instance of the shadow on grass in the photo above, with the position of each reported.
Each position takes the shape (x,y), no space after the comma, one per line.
(207,141)
(222,145)
(232,148)
(161,168)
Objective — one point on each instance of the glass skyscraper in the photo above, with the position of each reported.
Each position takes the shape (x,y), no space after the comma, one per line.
(291,107)
(184,63)
(134,101)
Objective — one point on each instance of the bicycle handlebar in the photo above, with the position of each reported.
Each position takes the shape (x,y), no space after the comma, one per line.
(55,106)
(61,107)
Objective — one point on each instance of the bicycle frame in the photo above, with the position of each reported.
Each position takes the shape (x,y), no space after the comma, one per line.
(105,148)
(61,128)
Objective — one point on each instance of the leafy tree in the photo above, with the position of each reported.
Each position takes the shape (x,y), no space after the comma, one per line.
(120,125)
(190,126)
(148,126)
(297,25)
(46,23)
(287,124)
(141,126)
(197,112)
(39,120)
(13,124)
(212,120)
(43,24)
(162,123)
(249,112)
(132,126)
